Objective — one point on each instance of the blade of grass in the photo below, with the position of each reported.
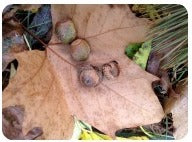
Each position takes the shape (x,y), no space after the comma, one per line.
(170,44)
(28,45)
(30,27)
(171,51)
(169,36)
(26,18)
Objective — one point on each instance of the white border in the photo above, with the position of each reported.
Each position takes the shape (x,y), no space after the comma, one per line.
(187,4)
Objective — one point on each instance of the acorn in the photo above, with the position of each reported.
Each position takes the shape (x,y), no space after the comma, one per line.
(80,50)
(111,70)
(90,76)
(65,31)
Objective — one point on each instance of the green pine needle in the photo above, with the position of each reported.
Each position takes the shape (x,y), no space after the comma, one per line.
(170,36)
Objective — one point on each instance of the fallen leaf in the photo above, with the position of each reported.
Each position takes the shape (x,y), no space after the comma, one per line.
(180,116)
(142,54)
(134,138)
(33,134)
(131,49)
(114,104)
(41,24)
(13,42)
(35,87)
(49,88)
(179,109)
(153,63)
(86,133)
(12,124)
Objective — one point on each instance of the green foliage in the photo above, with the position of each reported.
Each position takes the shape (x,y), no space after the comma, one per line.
(131,49)
(147,11)
(142,54)
(169,34)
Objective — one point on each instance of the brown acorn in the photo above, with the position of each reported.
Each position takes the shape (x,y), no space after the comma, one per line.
(111,70)
(90,76)
(65,31)
(80,50)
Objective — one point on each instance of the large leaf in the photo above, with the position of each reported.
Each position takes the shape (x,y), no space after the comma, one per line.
(49,88)
(180,116)
(179,109)
(35,87)
(108,106)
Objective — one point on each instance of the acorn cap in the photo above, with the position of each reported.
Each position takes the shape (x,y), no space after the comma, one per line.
(90,76)
(111,70)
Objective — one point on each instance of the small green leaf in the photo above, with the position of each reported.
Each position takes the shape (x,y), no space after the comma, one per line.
(131,49)
(142,54)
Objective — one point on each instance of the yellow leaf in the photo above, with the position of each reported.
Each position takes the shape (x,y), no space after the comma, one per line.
(90,135)
(104,137)
(133,138)
(85,135)
(95,136)
(138,138)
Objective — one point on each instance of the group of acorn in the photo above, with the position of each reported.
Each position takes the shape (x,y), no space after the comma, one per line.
(66,32)
(89,75)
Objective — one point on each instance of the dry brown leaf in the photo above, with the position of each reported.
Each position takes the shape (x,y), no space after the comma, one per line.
(13,42)
(35,87)
(180,116)
(128,101)
(153,63)
(12,124)
(179,109)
